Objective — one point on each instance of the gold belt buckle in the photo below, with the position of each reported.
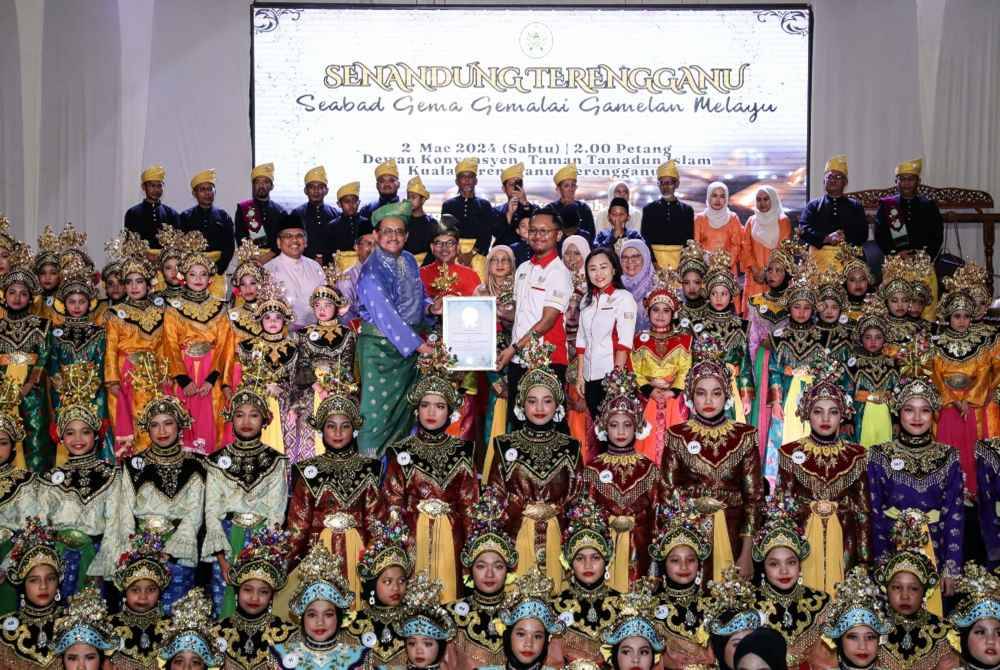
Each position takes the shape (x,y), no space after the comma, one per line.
(246,519)
(339,522)
(709,505)
(72,538)
(958,381)
(539,511)
(823,508)
(622,524)
(434,508)
(198,348)
(156,523)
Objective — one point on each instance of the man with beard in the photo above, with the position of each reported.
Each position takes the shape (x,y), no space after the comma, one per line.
(387,185)
(258,218)
(477,222)
(667,223)
(146,218)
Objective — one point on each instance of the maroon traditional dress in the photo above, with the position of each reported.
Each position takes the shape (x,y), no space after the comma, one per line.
(717,463)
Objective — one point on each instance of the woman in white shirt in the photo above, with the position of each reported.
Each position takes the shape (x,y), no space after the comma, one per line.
(607,326)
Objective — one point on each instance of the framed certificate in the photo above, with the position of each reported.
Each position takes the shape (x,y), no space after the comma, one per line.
(470,332)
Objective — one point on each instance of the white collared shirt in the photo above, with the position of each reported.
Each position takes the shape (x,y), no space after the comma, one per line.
(607,324)
(299,277)
(538,285)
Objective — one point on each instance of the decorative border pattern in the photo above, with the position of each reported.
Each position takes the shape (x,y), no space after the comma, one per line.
(267,20)
(792,21)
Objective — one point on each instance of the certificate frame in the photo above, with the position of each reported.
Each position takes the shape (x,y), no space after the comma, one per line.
(468,327)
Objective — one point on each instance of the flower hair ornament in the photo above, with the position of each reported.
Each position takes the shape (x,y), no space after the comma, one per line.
(858,602)
(707,354)
(435,376)
(827,373)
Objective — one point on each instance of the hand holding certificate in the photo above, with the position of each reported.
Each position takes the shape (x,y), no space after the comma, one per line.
(470,332)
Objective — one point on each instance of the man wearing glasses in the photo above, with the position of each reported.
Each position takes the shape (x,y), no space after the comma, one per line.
(393,307)
(542,289)
(298,275)
(829,221)
(444,276)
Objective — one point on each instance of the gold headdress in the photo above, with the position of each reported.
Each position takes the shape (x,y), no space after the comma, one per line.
(320,578)
(830,286)
(827,374)
(873,315)
(731,605)
(132,254)
(720,273)
(692,259)
(265,557)
(329,290)
(982,596)
(858,603)
(86,622)
(910,536)
(896,278)
(787,254)
(341,398)
(779,529)
(78,387)
(34,545)
(682,524)
(423,615)
(150,374)
(435,375)
(246,262)
(7,241)
(852,259)
(189,629)
(528,598)
(707,356)
(271,298)
(536,357)
(803,284)
(77,277)
(21,272)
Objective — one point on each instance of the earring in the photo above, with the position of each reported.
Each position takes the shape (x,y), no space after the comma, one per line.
(607,573)
(800,580)
(58,596)
(356,433)
(371,599)
(697,579)
(560,414)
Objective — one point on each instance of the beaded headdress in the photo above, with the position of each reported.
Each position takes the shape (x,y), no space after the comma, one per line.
(10,415)
(981,600)
(145,559)
(896,276)
(636,618)
(149,374)
(329,290)
(852,259)
(802,285)
(779,529)
(253,388)
(830,286)
(976,280)
(909,535)
(33,545)
(387,547)
(86,622)
(528,598)
(194,250)
(961,291)
(189,629)
(320,578)
(586,528)
(423,615)
(921,269)
(77,277)
(827,373)
(265,557)
(488,532)
(707,354)
(7,241)
(858,603)
(664,292)
(621,396)
(55,249)
(247,254)
(682,524)
(78,387)
(692,259)
(874,314)
(435,376)
(131,253)
(20,272)
(341,398)
(787,254)
(731,605)
(720,273)
(536,355)
(171,244)
(271,298)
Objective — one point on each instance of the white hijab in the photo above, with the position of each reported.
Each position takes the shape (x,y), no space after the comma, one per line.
(765,228)
(717,218)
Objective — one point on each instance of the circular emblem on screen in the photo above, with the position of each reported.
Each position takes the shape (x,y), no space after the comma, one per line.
(535,40)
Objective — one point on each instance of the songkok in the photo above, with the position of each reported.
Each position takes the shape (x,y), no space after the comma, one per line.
(388,167)
(289,221)
(837,163)
(515,171)
(263,170)
(394,210)
(910,167)
(470,164)
(318,173)
(567,171)
(203,177)
(415,185)
(668,169)
(352,188)
(153,173)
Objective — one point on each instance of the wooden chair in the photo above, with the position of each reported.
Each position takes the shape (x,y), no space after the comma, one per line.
(957,205)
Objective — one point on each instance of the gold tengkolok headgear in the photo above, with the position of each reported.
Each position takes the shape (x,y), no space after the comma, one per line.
(320,578)
(858,603)
(77,277)
(787,254)
(731,605)
(7,241)
(896,278)
(271,298)
(86,621)
(423,615)
(257,374)
(981,599)
(130,252)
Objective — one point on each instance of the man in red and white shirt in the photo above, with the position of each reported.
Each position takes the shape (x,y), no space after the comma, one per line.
(542,289)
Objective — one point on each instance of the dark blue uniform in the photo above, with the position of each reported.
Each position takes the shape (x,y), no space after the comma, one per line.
(916,224)
(217,228)
(419,233)
(577,215)
(317,221)
(146,220)
(346,230)
(826,215)
(669,222)
(476,220)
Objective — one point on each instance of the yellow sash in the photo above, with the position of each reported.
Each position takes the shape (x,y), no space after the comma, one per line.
(931,310)
(667,256)
(318,439)
(272,435)
(353,546)
(346,260)
(823,568)
(826,258)
(934,604)
(722,548)
(478,263)
(499,427)
(621,539)
(435,547)
(740,414)
(876,424)
(526,558)
(792,428)
(420,258)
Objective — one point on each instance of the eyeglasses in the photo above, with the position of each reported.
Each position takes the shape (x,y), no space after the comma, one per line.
(292,236)
(392,232)
(444,243)
(540,232)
